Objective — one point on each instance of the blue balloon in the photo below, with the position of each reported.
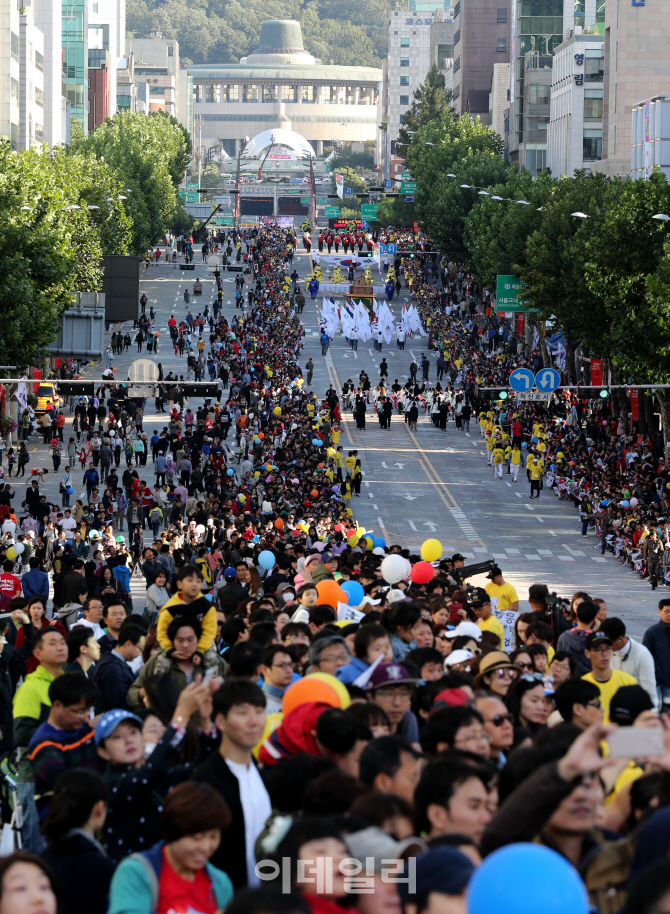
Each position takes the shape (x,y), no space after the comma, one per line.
(316,442)
(209,597)
(230,472)
(354,592)
(542,881)
(378,542)
(625,503)
(266,559)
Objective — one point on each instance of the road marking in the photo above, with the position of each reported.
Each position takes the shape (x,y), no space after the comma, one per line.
(533,558)
(565,558)
(381,523)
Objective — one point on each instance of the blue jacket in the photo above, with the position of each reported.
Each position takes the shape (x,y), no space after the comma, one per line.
(113,678)
(351,670)
(134,888)
(35,583)
(121,574)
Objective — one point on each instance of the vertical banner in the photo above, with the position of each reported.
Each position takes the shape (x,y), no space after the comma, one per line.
(339,186)
(520,324)
(633,393)
(597,372)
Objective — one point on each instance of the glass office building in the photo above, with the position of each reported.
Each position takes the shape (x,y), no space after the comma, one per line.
(75,59)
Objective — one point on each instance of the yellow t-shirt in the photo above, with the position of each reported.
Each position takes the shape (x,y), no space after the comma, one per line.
(498,455)
(529,461)
(516,456)
(535,471)
(609,688)
(505,594)
(493,625)
(489,442)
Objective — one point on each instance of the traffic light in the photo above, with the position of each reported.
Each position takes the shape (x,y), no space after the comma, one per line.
(604,394)
(503,395)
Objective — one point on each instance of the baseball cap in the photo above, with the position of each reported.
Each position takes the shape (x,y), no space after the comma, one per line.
(596,638)
(389,674)
(229,574)
(110,721)
(457,557)
(378,844)
(627,703)
(478,598)
(327,557)
(441,869)
(314,557)
(120,539)
(471,629)
(494,572)
(458,657)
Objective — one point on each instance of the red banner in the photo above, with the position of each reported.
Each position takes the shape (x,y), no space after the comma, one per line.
(633,403)
(597,372)
(37,373)
(520,324)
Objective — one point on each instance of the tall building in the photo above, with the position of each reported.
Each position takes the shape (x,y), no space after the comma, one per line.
(31,81)
(9,71)
(637,67)
(575,131)
(498,96)
(481,40)
(49,20)
(107,32)
(156,72)
(323,103)
(75,59)
(185,98)
(651,137)
(99,94)
(538,28)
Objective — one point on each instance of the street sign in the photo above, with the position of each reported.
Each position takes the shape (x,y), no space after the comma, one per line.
(292,191)
(391,248)
(221,201)
(408,187)
(508,289)
(305,201)
(405,176)
(348,191)
(409,199)
(332,211)
(369,210)
(322,201)
(547,380)
(532,395)
(521,380)
(222,220)
(388,185)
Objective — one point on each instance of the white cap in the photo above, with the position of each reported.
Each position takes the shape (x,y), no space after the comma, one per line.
(471,629)
(457,657)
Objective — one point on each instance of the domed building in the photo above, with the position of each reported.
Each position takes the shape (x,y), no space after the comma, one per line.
(282,143)
(281,87)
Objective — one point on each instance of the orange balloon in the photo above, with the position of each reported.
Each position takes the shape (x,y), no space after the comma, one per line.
(330,593)
(279,524)
(261,436)
(314,493)
(309,689)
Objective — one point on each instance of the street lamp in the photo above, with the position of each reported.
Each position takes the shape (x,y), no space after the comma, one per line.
(73,206)
(483,193)
(496,197)
(661,217)
(451,176)
(92,207)
(579,215)
(121,197)
(465,185)
(525,202)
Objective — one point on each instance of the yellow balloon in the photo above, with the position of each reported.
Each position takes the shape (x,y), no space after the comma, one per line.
(431,550)
(353,541)
(340,688)
(277,410)
(11,554)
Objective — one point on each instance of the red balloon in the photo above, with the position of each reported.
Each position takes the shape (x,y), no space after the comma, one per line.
(350,533)
(422,572)
(339,528)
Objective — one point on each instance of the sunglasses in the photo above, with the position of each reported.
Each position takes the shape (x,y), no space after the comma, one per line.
(524,666)
(505,673)
(499,719)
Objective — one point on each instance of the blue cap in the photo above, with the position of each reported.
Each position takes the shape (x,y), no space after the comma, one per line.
(441,869)
(110,721)
(229,574)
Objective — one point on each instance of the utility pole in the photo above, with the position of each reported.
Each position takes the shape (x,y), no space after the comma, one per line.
(199,152)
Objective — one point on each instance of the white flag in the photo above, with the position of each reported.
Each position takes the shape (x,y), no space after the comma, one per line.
(536,338)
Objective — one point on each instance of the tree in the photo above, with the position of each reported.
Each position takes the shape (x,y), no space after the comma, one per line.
(432,102)
(395,211)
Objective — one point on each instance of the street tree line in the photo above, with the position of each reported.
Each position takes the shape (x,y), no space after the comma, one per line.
(62,210)
(604,281)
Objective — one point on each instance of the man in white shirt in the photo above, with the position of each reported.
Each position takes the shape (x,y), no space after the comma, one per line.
(631,656)
(239,715)
(68,523)
(92,615)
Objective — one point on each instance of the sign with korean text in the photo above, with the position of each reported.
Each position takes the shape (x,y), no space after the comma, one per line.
(369,210)
(508,289)
(408,187)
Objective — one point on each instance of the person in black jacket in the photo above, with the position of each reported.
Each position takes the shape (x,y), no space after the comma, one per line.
(77,811)
(113,673)
(239,715)
(657,640)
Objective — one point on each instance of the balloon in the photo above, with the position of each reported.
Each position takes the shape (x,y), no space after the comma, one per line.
(314,493)
(369,543)
(378,551)
(431,551)
(543,881)
(277,410)
(634,502)
(315,442)
(353,540)
(266,559)
(394,569)
(422,572)
(261,436)
(242,499)
(200,528)
(624,503)
(354,592)
(330,593)
(279,524)
(379,542)
(350,533)
(339,528)
(19,548)
(334,682)
(312,689)
(11,553)
(230,472)
(209,597)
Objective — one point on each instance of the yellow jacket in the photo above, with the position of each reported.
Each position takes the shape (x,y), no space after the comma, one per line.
(200,609)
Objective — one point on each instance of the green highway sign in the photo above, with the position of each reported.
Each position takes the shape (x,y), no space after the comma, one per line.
(222,220)
(408,187)
(292,191)
(321,201)
(332,211)
(305,201)
(369,211)
(508,289)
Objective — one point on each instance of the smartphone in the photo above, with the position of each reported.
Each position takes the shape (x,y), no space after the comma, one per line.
(209,675)
(636,742)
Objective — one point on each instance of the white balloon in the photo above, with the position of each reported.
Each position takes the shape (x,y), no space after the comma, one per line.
(395,569)
(19,548)
(200,528)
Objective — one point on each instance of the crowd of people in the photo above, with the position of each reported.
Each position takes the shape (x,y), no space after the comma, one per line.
(300,717)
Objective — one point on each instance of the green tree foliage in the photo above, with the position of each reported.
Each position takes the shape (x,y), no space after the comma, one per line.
(222,31)
(432,102)
(394,211)
(149,154)
(47,251)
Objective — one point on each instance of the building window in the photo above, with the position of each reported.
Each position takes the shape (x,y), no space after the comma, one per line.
(39,61)
(160,90)
(39,132)
(404,61)
(538,95)
(404,42)
(501,45)
(502,15)
(170,50)
(593,109)
(404,99)
(14,135)
(457,64)
(308,94)
(457,9)
(592,148)
(39,97)
(289,94)
(457,36)
(396,31)
(594,68)
(15,47)
(404,80)
(456,92)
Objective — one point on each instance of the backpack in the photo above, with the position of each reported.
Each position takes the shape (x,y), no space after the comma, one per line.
(155,515)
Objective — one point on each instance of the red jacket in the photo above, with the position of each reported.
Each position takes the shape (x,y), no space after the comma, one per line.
(294,735)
